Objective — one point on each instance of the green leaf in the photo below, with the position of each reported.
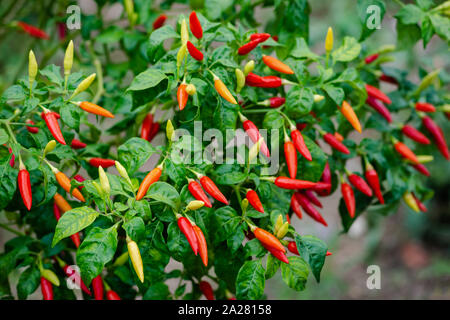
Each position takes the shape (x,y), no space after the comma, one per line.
(96,250)
(299,101)
(70,115)
(134,228)
(28,282)
(134,153)
(441,25)
(164,192)
(8,185)
(229,174)
(147,79)
(407,35)
(214,8)
(157,291)
(250,281)
(313,251)
(348,51)
(53,73)
(176,242)
(273,120)
(295,274)
(427,30)
(335,93)
(301,50)
(371,13)
(409,14)
(227,222)
(113,34)
(272,266)
(73,221)
(4,137)
(311,170)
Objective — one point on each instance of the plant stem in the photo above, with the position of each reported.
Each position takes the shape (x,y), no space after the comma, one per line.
(4,226)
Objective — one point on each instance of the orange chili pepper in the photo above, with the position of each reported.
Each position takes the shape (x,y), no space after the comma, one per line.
(182,96)
(203,248)
(62,203)
(268,239)
(149,179)
(405,152)
(277,65)
(95,109)
(64,182)
(223,90)
(350,115)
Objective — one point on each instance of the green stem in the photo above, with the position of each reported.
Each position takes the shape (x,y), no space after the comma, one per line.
(18,233)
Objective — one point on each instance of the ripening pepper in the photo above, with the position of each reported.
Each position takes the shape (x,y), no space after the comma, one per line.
(223,90)
(73,275)
(405,152)
(267,238)
(335,143)
(373,180)
(277,65)
(280,255)
(83,85)
(410,201)
(299,143)
(348,112)
(254,80)
(64,182)
(253,132)
(182,96)
(420,205)
(291,156)
(61,204)
(202,245)
(94,109)
(149,179)
(273,102)
(212,189)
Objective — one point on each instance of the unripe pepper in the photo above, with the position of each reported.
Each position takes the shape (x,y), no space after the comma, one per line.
(280,255)
(289,183)
(309,208)
(299,143)
(405,152)
(194,24)
(33,31)
(372,178)
(240,79)
(146,126)
(182,96)
(52,125)
(410,201)
(23,180)
(312,198)
(380,108)
(246,48)
(101,162)
(415,134)
(223,90)
(371,58)
(425,107)
(207,290)
(191,89)
(212,189)
(283,230)
(202,245)
(97,287)
(195,204)
(64,182)
(197,192)
(254,200)
(46,289)
(83,85)
(261,37)
(159,21)
(267,238)
(186,228)
(104,182)
(253,132)
(249,66)
(50,276)
(335,143)
(377,94)
(181,55)
(348,112)
(291,156)
(77,144)
(184,32)
(50,146)
(31,129)
(360,184)
(94,109)
(136,260)
(438,136)
(295,206)
(277,65)
(194,52)
(349,198)
(149,179)
(68,59)
(32,69)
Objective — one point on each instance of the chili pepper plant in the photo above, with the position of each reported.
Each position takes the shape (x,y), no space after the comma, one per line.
(75,135)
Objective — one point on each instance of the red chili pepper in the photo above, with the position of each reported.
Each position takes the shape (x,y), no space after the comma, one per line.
(422,169)
(158,23)
(197,192)
(253,80)
(246,48)
(438,136)
(360,184)
(23,180)
(415,134)
(380,108)
(112,295)
(419,203)
(325,178)
(299,143)
(276,102)
(371,58)
(186,227)
(405,152)
(105,163)
(32,129)
(338,136)
(288,219)
(203,247)
(312,198)
(320,186)
(261,37)
(194,24)
(194,52)
(292,247)
(77,144)
(253,132)
(146,126)
(335,143)
(291,157)
(280,255)
(207,290)
(377,94)
(372,178)
(33,31)
(349,198)
(46,289)
(289,183)
(253,199)
(97,287)
(13,157)
(309,208)
(182,96)
(61,30)
(212,189)
(154,130)
(268,239)
(52,125)
(75,276)
(79,179)
(388,79)
(295,206)
(425,107)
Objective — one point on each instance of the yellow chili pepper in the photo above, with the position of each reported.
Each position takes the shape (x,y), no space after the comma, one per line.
(32,69)
(240,79)
(184,32)
(410,201)
(223,90)
(104,182)
(169,130)
(83,85)
(136,259)
(68,59)
(191,89)
(249,67)
(283,230)
(195,204)
(50,276)
(49,147)
(329,40)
